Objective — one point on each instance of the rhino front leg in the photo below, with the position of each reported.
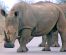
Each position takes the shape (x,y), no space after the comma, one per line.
(25,38)
(44,40)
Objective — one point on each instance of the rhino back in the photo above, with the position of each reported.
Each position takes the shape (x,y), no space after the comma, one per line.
(45,16)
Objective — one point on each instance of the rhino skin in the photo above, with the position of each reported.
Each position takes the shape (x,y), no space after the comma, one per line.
(2,26)
(54,36)
(29,21)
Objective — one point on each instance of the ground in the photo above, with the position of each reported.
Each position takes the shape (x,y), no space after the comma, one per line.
(33,49)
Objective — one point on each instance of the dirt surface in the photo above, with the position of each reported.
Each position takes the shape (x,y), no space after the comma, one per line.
(33,49)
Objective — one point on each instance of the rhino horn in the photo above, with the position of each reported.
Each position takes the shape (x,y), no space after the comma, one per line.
(6,39)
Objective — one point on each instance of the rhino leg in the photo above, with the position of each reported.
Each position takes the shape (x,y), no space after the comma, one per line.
(55,39)
(63,38)
(44,40)
(61,27)
(25,38)
(47,47)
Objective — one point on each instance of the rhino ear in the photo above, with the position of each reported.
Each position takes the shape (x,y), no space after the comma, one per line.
(16,13)
(3,12)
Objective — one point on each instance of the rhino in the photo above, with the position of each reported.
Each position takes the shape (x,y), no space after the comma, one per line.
(25,21)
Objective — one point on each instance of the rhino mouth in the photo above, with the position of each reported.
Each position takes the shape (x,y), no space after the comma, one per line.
(7,43)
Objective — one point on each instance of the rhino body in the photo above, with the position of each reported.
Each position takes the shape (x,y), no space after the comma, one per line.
(54,36)
(29,21)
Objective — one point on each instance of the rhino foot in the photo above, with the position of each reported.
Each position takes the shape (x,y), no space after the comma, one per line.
(55,45)
(22,49)
(46,49)
(42,45)
(63,50)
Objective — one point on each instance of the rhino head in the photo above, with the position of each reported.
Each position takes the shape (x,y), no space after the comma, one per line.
(10,30)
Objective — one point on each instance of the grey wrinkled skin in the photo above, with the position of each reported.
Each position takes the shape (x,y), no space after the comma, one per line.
(53,37)
(2,22)
(63,7)
(29,21)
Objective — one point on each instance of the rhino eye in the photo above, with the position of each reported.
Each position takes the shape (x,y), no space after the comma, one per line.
(16,13)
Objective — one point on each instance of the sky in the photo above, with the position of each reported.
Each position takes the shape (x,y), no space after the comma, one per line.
(10,3)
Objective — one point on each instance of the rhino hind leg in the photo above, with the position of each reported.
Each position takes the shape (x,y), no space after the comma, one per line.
(44,40)
(63,50)
(55,39)
(63,38)
(47,47)
(61,27)
(55,45)
(25,37)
